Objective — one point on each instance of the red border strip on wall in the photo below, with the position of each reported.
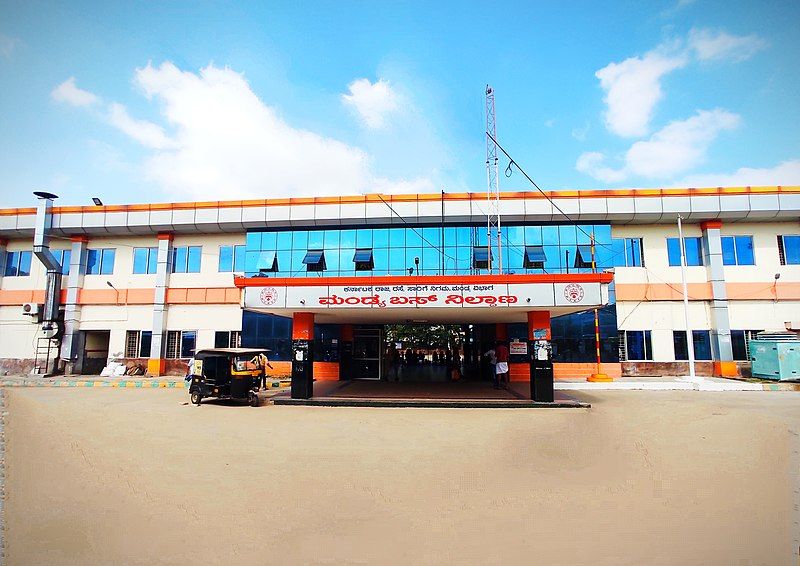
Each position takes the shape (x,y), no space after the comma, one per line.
(422,280)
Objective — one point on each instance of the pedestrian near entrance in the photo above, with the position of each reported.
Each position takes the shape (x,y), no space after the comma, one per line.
(392,362)
(492,355)
(262,362)
(501,353)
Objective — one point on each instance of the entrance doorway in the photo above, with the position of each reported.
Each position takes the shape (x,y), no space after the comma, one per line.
(93,348)
(428,353)
(367,353)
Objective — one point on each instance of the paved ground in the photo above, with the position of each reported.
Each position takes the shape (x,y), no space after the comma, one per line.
(129,476)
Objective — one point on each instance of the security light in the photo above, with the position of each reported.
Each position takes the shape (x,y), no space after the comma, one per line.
(97,201)
(45,194)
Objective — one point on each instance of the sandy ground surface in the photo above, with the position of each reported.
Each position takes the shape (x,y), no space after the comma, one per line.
(138,476)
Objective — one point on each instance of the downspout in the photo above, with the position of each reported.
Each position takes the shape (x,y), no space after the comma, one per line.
(41,249)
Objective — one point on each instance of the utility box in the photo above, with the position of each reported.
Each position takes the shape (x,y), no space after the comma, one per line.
(776,356)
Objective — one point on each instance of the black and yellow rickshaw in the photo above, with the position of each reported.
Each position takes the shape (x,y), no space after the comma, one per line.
(226,373)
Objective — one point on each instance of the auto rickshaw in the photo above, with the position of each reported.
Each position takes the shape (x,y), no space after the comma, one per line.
(226,373)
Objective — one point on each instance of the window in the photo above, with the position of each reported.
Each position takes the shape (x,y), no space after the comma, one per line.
(181,343)
(18,264)
(145,260)
(137,343)
(789,250)
(635,345)
(227,339)
(481,257)
(63,258)
(314,260)
(627,252)
(737,250)
(740,342)
(534,257)
(186,259)
(693,248)
(583,257)
(100,262)
(231,258)
(363,260)
(702,344)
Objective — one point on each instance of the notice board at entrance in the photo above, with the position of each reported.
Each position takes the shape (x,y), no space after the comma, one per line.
(503,295)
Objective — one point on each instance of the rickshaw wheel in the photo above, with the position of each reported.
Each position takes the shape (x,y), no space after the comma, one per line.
(195,397)
(253,399)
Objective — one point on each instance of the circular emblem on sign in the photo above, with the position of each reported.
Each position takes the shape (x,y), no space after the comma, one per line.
(269,295)
(573,293)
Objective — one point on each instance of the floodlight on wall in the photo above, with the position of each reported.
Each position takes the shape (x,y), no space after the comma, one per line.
(97,201)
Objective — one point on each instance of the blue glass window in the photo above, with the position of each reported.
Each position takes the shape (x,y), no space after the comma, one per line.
(284,241)
(637,344)
(314,260)
(702,344)
(63,258)
(534,257)
(100,262)
(186,259)
(737,250)
(231,258)
(583,257)
(145,260)
(633,252)
(18,264)
(480,258)
(363,260)
(789,250)
(693,248)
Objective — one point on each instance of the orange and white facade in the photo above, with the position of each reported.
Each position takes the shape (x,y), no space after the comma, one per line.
(105,309)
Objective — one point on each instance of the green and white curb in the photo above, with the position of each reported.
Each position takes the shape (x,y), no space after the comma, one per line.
(148,383)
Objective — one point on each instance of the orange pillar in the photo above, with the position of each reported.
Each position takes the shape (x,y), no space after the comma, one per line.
(302,355)
(541,365)
(303,326)
(538,320)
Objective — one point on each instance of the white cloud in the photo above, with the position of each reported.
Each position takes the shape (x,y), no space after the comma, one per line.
(581,133)
(373,103)
(146,133)
(673,150)
(550,122)
(711,45)
(69,92)
(785,173)
(633,87)
(7,45)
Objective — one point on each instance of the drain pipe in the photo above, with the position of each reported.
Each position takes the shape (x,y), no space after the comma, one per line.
(41,249)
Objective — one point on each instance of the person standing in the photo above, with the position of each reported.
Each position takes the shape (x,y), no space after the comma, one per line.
(501,353)
(262,362)
(392,362)
(492,355)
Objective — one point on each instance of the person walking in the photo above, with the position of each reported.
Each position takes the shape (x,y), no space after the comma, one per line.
(501,353)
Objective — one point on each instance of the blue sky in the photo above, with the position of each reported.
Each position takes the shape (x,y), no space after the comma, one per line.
(153,102)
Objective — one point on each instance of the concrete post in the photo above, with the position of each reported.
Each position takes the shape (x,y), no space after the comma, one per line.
(721,348)
(302,355)
(540,354)
(72,307)
(156,365)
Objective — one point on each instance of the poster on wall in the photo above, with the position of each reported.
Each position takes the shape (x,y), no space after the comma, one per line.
(518,347)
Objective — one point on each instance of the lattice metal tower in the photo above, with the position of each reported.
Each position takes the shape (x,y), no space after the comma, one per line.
(492,184)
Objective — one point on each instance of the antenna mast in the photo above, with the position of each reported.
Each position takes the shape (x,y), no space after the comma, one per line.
(492,184)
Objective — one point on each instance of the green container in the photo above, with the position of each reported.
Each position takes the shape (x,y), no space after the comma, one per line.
(775,359)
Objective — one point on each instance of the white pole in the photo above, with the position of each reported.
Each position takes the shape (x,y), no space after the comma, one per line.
(689,337)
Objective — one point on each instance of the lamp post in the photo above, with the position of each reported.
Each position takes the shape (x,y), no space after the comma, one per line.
(689,337)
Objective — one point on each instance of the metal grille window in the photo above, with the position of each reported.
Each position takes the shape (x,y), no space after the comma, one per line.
(173,344)
(227,339)
(635,345)
(789,250)
(137,343)
(363,260)
(145,260)
(18,264)
(702,344)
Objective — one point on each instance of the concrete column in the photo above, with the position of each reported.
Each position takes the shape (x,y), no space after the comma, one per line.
(72,307)
(157,364)
(540,356)
(721,349)
(346,351)
(302,355)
